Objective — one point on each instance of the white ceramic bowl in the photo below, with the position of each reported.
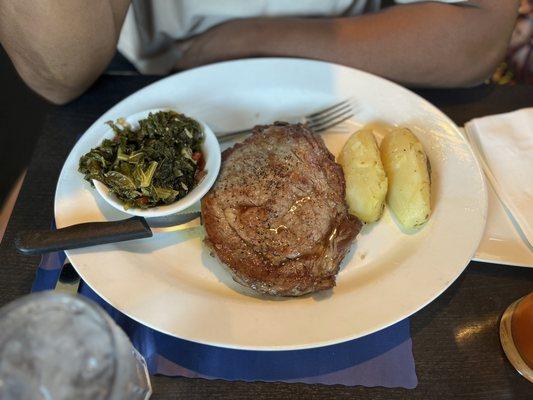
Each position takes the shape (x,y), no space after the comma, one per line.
(211,153)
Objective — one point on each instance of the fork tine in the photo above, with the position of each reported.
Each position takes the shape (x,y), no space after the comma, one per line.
(322,128)
(318,121)
(325,110)
(336,111)
(332,118)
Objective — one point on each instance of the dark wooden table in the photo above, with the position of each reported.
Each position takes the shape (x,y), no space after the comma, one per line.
(455,338)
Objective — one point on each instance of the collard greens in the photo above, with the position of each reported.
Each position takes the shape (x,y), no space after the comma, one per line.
(156,164)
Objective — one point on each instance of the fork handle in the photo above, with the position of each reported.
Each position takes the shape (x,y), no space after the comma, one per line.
(227,136)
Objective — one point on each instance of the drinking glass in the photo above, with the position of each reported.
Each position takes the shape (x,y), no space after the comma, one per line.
(516,335)
(60,346)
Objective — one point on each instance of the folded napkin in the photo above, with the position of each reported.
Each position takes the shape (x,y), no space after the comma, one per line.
(503,144)
(384,358)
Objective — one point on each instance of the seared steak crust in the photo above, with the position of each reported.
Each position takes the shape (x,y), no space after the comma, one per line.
(277,215)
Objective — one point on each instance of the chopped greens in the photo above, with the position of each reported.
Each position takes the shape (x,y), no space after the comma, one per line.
(156,164)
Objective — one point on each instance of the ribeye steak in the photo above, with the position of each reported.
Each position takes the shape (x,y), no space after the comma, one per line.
(277,215)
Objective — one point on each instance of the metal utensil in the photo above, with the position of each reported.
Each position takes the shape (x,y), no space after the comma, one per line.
(318,121)
(95,233)
(69,280)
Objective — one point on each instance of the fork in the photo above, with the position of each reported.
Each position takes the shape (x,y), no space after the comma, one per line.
(318,121)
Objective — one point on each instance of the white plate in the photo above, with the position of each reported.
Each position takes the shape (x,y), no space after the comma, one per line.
(170,282)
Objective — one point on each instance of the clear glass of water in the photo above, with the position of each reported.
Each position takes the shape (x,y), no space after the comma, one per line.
(58,346)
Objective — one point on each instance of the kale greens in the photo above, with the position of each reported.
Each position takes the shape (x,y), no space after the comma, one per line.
(156,164)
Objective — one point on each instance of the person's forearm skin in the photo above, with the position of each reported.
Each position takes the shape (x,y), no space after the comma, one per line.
(424,44)
(59,47)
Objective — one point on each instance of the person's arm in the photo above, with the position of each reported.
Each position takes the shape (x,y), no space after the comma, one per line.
(423,44)
(60,47)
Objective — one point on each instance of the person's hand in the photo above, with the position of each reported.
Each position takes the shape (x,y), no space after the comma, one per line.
(191,54)
(223,42)
(187,58)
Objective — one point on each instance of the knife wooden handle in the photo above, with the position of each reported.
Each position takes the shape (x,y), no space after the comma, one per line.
(82,235)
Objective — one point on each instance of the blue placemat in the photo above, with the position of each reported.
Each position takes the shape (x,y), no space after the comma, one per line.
(384,358)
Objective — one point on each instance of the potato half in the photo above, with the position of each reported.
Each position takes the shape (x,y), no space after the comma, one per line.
(406,166)
(366,182)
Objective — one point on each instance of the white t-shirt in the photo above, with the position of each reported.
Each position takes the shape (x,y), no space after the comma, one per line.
(152,29)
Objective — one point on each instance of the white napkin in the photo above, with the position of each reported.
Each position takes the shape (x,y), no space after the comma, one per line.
(504,147)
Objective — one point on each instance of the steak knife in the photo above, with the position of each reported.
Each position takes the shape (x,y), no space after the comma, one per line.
(95,233)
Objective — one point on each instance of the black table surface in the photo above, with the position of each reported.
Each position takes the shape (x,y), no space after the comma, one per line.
(455,338)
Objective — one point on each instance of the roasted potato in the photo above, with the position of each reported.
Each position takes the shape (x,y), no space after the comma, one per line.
(406,166)
(366,183)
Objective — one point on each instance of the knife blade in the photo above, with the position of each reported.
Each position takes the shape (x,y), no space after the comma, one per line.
(96,233)
(69,280)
